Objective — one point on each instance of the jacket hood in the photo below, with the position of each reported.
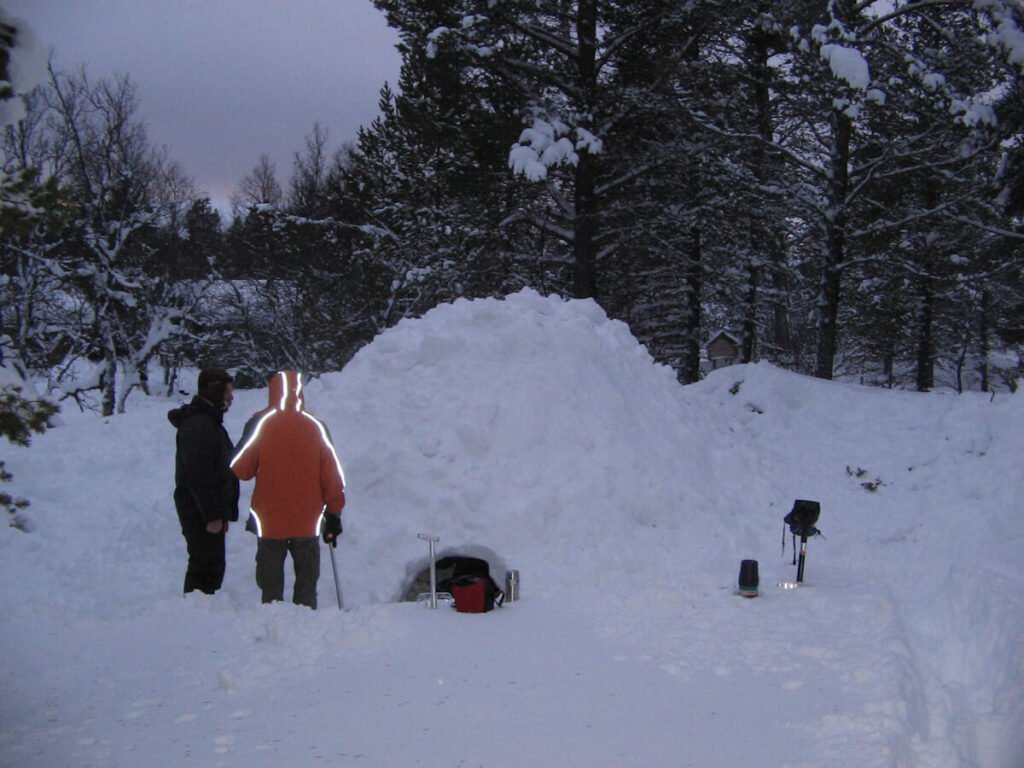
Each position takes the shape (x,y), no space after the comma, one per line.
(286,391)
(198,405)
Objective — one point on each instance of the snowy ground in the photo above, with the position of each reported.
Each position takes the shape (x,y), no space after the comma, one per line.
(539,432)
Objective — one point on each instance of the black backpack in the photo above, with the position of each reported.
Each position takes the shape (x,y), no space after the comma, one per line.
(802,521)
(803,517)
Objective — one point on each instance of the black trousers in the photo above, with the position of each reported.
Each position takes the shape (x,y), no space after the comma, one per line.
(270,557)
(205,570)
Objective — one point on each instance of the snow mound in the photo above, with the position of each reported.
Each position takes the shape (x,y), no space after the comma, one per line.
(531,426)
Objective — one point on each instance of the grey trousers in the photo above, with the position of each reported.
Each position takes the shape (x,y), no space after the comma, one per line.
(270,557)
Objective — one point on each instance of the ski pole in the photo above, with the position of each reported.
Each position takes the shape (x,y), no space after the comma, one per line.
(334,570)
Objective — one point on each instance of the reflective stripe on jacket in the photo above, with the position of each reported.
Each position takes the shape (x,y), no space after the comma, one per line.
(289,452)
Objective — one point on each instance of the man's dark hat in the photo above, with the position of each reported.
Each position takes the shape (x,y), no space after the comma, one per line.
(213,380)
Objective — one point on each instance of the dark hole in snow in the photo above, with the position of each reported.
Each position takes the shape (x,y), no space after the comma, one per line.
(450,564)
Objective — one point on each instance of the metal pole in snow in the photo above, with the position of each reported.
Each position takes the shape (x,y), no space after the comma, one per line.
(433,568)
(334,569)
(803,554)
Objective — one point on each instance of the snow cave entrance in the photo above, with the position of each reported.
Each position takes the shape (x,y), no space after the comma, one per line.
(451,562)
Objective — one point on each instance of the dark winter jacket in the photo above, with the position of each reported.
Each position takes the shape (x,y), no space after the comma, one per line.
(205,487)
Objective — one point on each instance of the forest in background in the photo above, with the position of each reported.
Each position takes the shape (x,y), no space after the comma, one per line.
(838,184)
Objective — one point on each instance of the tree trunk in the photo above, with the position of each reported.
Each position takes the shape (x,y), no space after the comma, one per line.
(690,370)
(748,339)
(983,348)
(760,230)
(584,240)
(835,226)
(925,342)
(108,378)
(584,248)
(887,369)
(170,376)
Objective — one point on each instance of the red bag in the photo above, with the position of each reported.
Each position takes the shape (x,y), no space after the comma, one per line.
(469,595)
(475,594)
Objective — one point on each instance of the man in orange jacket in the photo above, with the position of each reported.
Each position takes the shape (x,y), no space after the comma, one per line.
(299,491)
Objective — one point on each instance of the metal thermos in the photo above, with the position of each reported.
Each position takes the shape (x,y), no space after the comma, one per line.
(511,586)
(748,578)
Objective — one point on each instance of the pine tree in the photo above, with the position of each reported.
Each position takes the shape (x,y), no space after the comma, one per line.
(934,175)
(841,85)
(428,178)
(561,57)
(20,415)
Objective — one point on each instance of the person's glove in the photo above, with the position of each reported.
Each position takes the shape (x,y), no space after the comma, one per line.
(332,529)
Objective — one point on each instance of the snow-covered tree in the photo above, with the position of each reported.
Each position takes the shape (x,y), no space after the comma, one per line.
(22,68)
(21,415)
(753,162)
(303,294)
(561,58)
(21,412)
(119,190)
(429,178)
(867,104)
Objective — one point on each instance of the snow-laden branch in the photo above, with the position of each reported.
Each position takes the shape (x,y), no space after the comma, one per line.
(542,223)
(1005,15)
(513,68)
(26,68)
(547,144)
(541,35)
(1009,233)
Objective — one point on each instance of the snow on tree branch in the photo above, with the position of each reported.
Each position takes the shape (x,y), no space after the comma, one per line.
(26,66)
(546,144)
(1008,34)
(847,64)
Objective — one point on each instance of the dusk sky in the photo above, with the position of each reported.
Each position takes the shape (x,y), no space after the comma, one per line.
(221,82)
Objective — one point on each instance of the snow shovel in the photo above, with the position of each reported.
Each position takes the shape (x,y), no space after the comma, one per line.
(433,568)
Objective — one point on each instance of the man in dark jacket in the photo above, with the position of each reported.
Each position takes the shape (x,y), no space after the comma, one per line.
(205,489)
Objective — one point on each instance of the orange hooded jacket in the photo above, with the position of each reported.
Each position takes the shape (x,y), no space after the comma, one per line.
(289,452)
